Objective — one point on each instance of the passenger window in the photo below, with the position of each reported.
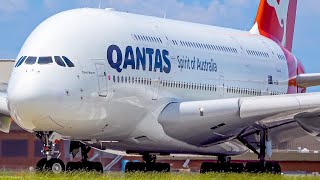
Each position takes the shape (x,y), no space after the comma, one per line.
(68,62)
(59,61)
(31,60)
(45,60)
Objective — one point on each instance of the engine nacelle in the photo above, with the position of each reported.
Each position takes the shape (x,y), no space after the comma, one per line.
(192,121)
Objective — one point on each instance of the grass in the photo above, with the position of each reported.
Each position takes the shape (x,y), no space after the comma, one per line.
(148,176)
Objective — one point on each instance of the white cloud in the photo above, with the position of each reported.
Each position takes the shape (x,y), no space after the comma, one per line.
(12,6)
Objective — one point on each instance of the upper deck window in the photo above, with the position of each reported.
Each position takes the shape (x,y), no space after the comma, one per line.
(45,60)
(31,60)
(68,62)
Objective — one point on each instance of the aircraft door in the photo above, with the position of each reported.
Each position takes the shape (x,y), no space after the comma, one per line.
(155,87)
(102,79)
(221,86)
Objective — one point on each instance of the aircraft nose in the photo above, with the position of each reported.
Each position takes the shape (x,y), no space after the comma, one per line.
(29,102)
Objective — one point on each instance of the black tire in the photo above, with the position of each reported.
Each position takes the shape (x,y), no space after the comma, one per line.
(129,167)
(215,167)
(74,166)
(55,166)
(204,168)
(236,168)
(166,167)
(277,168)
(273,168)
(40,165)
(251,167)
(98,167)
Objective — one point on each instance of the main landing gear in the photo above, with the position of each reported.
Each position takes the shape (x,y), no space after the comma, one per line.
(224,165)
(84,164)
(149,165)
(53,164)
(262,166)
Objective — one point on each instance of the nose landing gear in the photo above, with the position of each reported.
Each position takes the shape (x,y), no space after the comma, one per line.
(51,163)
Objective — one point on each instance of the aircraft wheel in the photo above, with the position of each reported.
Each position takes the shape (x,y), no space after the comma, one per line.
(40,164)
(273,168)
(98,167)
(55,166)
(130,167)
(250,167)
(162,167)
(74,166)
(204,167)
(166,167)
(236,167)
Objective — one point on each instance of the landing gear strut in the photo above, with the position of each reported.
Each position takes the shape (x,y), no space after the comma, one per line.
(262,166)
(51,163)
(148,165)
(223,164)
(84,164)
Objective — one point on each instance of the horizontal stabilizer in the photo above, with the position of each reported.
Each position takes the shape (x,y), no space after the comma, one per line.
(305,80)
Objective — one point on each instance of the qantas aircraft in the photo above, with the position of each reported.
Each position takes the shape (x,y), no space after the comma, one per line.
(150,86)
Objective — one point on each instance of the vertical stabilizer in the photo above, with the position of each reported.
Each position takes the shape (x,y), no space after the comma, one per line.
(276,20)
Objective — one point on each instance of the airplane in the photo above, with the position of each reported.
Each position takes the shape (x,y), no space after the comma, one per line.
(150,86)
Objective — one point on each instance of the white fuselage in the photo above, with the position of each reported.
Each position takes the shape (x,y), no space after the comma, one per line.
(117,94)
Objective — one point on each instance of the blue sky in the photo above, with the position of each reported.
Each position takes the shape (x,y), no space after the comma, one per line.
(19,17)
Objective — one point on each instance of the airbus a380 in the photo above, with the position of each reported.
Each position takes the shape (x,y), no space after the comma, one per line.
(150,86)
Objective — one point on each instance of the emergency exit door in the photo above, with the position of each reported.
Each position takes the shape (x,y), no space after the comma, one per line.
(102,80)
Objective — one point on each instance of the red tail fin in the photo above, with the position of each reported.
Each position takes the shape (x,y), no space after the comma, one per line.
(276,20)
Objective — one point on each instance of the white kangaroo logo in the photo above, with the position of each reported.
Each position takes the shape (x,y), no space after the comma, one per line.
(282,14)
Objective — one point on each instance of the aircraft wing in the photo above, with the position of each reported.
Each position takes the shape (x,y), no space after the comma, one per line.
(204,123)
(5,119)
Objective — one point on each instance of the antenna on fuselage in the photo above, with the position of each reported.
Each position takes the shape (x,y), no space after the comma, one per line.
(99,4)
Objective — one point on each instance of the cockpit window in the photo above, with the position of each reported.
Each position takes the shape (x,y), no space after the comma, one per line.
(45,60)
(68,62)
(31,60)
(59,61)
(20,61)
